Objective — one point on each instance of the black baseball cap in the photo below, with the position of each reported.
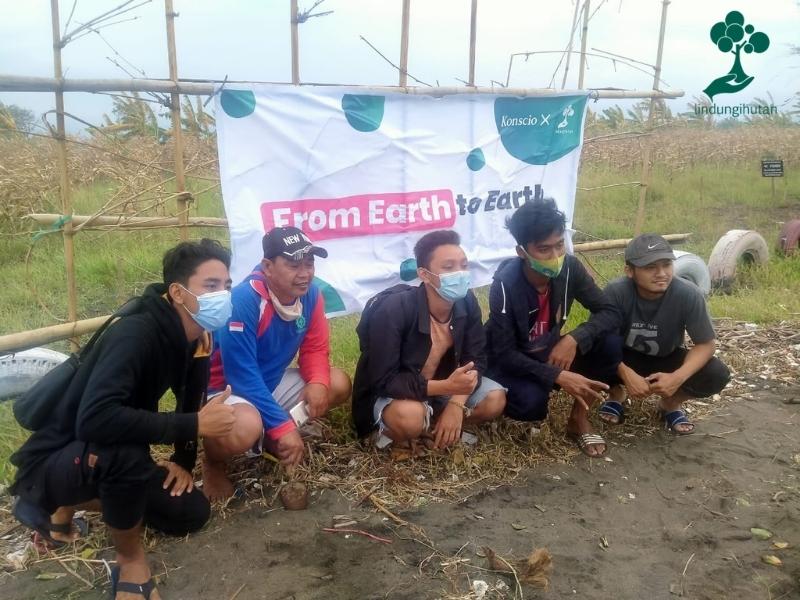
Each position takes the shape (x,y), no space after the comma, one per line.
(291,243)
(646,249)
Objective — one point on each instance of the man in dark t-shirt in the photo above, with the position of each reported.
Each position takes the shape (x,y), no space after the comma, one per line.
(658,310)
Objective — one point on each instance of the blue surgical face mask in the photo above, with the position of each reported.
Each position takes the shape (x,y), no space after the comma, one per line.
(453,286)
(214,309)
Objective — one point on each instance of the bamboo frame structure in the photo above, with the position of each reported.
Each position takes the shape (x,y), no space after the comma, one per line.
(176,87)
(126,222)
(177,130)
(584,35)
(15,83)
(648,142)
(473,34)
(403,82)
(63,171)
(295,36)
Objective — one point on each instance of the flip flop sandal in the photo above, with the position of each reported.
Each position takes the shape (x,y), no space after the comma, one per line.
(37,518)
(612,408)
(43,542)
(677,417)
(142,589)
(584,440)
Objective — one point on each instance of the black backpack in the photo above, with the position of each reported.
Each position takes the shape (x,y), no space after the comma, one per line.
(362,329)
(34,408)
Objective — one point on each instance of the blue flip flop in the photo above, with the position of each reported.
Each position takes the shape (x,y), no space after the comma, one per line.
(613,408)
(677,417)
(142,589)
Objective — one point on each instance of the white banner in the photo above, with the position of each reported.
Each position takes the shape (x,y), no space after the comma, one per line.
(365,175)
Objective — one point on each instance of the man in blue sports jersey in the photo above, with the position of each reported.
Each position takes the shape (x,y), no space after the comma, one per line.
(278,313)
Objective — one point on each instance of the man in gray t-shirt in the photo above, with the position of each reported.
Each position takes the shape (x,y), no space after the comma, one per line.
(658,309)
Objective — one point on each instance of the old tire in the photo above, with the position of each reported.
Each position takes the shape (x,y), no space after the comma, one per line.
(18,372)
(789,237)
(734,248)
(692,268)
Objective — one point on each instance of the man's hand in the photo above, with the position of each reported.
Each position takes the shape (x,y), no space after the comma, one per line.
(584,390)
(290,448)
(448,428)
(664,384)
(316,398)
(179,478)
(216,418)
(563,353)
(637,386)
(463,380)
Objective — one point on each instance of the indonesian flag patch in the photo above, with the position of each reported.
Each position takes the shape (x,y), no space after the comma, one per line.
(236,326)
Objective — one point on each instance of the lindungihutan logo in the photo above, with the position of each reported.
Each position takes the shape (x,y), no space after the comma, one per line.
(733,36)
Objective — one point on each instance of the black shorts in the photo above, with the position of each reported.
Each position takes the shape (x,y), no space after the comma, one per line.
(709,380)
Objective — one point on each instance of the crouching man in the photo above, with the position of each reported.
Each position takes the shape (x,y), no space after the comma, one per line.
(420,372)
(278,313)
(96,448)
(659,309)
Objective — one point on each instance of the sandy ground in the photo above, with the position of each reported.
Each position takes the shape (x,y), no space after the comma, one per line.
(666,517)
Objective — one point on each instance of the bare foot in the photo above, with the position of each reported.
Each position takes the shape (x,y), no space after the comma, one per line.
(216,485)
(135,572)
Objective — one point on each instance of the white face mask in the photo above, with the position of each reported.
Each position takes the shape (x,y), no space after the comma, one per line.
(287,313)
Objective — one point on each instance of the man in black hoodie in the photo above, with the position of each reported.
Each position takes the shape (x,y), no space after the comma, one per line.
(97,445)
(529,303)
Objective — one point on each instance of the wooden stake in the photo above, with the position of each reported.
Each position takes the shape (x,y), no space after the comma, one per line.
(177,129)
(295,45)
(404,44)
(64,189)
(569,46)
(473,34)
(648,142)
(584,34)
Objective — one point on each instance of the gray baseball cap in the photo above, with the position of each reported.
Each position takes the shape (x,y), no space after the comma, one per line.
(647,249)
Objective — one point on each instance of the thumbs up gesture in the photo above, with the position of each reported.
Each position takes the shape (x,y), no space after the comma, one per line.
(216,419)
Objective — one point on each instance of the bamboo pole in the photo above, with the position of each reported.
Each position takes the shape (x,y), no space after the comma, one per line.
(569,46)
(16,342)
(15,83)
(63,171)
(473,35)
(295,45)
(648,142)
(584,35)
(621,243)
(404,44)
(126,222)
(177,129)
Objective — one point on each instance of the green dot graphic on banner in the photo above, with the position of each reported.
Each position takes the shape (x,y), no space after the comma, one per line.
(408,269)
(333,301)
(539,130)
(476,160)
(364,113)
(238,103)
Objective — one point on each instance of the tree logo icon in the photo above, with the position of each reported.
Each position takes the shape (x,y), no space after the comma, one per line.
(732,35)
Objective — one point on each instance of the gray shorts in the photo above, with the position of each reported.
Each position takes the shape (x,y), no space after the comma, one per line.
(287,394)
(436,404)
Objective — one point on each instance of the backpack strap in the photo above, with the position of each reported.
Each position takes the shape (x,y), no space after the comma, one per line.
(130,307)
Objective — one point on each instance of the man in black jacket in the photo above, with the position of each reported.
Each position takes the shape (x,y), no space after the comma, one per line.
(97,445)
(423,353)
(529,303)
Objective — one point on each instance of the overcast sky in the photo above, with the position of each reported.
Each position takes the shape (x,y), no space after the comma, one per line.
(249,40)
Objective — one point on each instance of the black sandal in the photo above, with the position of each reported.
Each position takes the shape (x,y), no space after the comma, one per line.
(143,589)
